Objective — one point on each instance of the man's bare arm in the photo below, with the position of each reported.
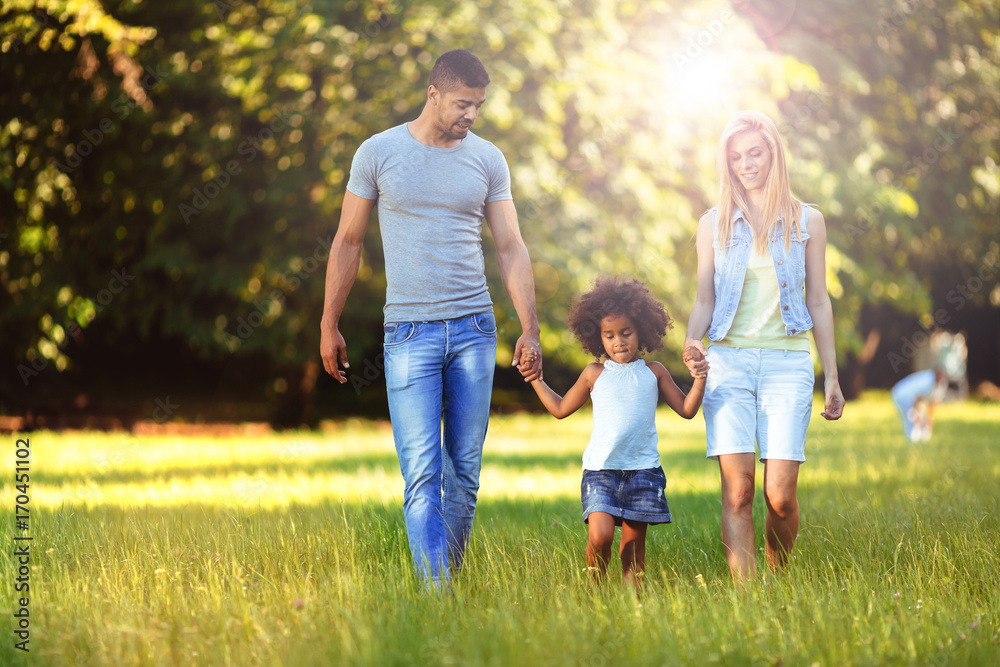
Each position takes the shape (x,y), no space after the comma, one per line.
(341,270)
(515,269)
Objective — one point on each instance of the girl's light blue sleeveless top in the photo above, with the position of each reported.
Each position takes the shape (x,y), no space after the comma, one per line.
(624,435)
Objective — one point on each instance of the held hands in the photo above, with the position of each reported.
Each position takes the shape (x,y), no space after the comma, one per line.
(525,367)
(694,358)
(528,358)
(834,400)
(333,350)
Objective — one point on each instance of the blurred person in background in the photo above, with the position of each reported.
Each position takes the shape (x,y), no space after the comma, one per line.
(915,397)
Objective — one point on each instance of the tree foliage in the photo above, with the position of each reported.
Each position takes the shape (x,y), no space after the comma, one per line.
(172,172)
(901,130)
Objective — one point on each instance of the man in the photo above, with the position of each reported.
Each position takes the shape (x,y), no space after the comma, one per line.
(434,181)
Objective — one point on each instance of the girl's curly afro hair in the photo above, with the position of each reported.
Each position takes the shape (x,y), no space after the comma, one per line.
(613,295)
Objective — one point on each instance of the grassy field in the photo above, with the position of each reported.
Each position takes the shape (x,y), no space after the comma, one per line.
(290,550)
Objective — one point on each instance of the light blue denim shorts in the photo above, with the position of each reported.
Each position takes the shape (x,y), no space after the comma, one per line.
(758,397)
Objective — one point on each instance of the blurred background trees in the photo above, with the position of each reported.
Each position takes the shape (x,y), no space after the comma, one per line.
(172,175)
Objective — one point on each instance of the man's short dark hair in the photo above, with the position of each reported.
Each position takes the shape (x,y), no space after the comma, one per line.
(456,69)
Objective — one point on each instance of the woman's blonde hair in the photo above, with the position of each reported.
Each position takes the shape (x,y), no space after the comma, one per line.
(779,205)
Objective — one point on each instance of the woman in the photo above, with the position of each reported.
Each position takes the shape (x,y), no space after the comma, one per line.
(761,287)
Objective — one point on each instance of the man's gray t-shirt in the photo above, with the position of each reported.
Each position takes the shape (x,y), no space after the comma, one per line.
(431,203)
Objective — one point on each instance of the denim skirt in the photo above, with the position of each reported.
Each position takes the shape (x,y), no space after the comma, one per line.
(632,495)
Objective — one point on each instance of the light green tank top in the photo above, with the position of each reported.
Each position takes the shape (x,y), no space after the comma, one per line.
(758,322)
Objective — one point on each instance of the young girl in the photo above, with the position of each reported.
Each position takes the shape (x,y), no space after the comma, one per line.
(623,482)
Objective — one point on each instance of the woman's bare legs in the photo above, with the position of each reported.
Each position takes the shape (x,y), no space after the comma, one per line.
(737,471)
(782,524)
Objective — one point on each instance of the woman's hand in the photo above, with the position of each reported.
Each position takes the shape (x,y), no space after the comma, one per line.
(834,400)
(694,358)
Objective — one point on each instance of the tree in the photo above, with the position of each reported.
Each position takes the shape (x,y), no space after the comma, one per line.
(173,172)
(902,123)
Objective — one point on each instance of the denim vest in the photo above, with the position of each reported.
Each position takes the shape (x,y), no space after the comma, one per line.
(731,269)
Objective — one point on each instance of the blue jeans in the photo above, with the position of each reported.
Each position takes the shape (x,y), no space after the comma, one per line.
(440,373)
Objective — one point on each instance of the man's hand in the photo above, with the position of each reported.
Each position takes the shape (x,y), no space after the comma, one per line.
(333,349)
(694,358)
(526,366)
(528,357)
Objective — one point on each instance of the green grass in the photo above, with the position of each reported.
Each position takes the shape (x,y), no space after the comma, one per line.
(290,550)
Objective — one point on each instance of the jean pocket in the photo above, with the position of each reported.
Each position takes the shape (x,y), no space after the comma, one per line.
(398,333)
(484,323)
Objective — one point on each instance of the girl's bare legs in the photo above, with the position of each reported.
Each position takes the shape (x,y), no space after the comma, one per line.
(600,535)
(737,471)
(782,524)
(633,553)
